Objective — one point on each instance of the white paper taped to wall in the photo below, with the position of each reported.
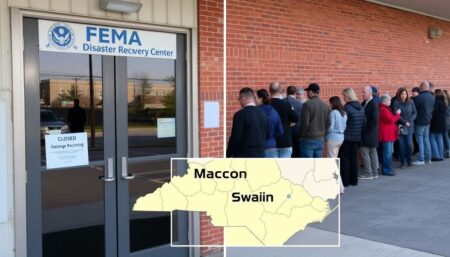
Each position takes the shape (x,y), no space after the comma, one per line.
(3,167)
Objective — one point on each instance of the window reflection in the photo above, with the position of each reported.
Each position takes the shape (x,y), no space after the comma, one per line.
(71,98)
(151,98)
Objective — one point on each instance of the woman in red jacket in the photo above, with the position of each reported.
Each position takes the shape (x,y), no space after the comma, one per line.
(387,134)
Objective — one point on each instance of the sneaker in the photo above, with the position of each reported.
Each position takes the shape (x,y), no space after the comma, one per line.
(375,176)
(365,177)
(428,162)
(417,163)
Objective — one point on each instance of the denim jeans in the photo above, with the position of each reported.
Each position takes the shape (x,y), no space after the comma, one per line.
(446,142)
(284,152)
(386,160)
(423,141)
(311,148)
(271,153)
(405,148)
(437,145)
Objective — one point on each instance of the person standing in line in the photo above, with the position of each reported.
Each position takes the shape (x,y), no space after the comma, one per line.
(407,117)
(274,122)
(76,117)
(424,105)
(348,152)
(313,124)
(437,126)
(249,131)
(447,126)
(335,133)
(295,129)
(301,95)
(369,142)
(387,134)
(287,116)
(414,93)
(375,95)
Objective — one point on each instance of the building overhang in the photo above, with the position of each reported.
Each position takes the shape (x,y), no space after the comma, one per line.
(434,8)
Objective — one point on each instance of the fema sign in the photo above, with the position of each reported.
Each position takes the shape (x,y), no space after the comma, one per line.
(55,36)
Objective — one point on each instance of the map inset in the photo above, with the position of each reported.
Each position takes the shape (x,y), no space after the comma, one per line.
(258,202)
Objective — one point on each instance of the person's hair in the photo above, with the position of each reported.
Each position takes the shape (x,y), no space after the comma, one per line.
(264,95)
(424,86)
(300,90)
(76,101)
(291,90)
(348,92)
(447,97)
(275,88)
(399,92)
(384,98)
(368,89)
(247,92)
(439,94)
(336,104)
(415,89)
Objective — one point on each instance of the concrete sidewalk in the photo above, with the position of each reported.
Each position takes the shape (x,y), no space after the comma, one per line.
(404,215)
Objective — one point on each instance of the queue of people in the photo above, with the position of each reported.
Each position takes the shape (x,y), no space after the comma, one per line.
(302,125)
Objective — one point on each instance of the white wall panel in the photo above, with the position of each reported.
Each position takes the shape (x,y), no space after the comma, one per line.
(80,7)
(6,228)
(40,4)
(146,12)
(61,6)
(174,12)
(162,12)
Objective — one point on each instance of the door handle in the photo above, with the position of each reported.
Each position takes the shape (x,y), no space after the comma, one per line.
(109,171)
(125,174)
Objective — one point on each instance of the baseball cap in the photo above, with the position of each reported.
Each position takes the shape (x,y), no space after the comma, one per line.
(313,87)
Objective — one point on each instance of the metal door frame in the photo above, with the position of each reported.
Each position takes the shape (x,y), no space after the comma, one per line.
(113,222)
(122,151)
(32,138)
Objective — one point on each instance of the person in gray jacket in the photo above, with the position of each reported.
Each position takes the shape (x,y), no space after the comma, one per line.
(447,127)
(407,117)
(313,124)
(424,105)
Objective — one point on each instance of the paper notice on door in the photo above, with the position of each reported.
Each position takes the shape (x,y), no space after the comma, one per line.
(66,150)
(166,127)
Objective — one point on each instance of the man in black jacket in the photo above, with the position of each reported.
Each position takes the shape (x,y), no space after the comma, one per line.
(288,117)
(249,132)
(369,141)
(297,105)
(424,105)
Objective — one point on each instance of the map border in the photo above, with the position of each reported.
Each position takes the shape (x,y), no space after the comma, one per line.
(251,246)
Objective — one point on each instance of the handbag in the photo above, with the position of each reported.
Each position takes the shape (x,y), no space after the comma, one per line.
(403,130)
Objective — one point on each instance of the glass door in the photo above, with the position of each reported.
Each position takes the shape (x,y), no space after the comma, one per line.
(151,127)
(132,112)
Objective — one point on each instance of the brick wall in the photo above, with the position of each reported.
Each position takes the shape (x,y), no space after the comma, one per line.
(336,43)
(211,77)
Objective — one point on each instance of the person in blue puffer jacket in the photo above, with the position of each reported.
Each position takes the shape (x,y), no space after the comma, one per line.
(274,122)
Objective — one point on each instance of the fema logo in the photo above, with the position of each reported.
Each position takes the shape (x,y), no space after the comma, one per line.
(61,36)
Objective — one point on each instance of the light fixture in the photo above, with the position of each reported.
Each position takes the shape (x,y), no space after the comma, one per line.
(120,6)
(434,32)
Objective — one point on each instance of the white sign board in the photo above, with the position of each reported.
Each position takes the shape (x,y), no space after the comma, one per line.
(56,36)
(166,127)
(212,114)
(3,167)
(66,150)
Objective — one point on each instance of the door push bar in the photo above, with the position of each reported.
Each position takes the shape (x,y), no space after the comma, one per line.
(110,171)
(125,174)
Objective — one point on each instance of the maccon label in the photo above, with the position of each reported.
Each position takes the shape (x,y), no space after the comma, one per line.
(261,197)
(219,174)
